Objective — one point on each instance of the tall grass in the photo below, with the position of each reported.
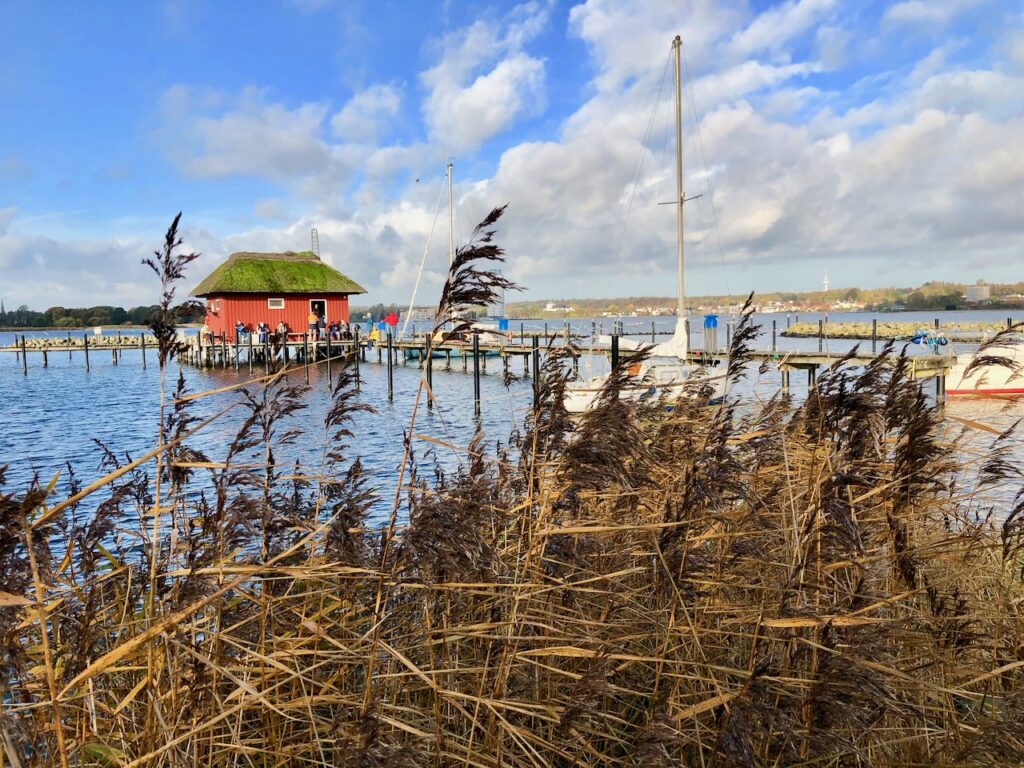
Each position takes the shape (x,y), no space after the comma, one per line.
(780,583)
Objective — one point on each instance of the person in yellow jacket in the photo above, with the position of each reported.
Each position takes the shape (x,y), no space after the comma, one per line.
(313,321)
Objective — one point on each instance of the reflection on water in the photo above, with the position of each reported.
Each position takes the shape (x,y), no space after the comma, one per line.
(53,416)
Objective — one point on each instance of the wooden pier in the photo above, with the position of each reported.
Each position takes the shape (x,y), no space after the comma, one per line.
(249,354)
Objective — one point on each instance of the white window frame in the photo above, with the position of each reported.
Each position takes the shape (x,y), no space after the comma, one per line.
(270,304)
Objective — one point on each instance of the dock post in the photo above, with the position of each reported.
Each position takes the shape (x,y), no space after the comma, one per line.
(330,378)
(238,349)
(118,345)
(775,345)
(504,366)
(615,350)
(652,331)
(85,345)
(785,381)
(266,353)
(536,370)
(286,360)
(728,334)
(24,356)
(812,377)
(1009,322)
(355,336)
(45,361)
(545,332)
(874,334)
(575,367)
(69,344)
(526,365)
(250,354)
(465,360)
(821,333)
(391,370)
(936,324)
(476,373)
(223,349)
(565,334)
(522,334)
(940,390)
(113,355)
(593,329)
(142,348)
(305,355)
(429,372)
(448,359)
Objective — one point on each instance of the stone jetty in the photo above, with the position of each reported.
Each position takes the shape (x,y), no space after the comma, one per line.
(973,331)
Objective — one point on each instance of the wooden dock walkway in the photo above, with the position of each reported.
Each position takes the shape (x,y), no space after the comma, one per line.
(249,354)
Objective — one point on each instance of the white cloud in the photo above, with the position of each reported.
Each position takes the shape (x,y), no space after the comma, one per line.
(773,29)
(484,80)
(362,118)
(926,11)
(248,137)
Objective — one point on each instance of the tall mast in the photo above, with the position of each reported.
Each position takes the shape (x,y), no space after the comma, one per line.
(451,229)
(680,282)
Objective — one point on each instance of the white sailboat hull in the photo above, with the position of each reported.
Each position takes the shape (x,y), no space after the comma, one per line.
(680,382)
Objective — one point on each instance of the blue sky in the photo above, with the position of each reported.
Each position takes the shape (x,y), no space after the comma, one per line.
(878,140)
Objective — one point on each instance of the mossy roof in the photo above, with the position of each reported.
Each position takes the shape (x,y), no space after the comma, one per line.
(290,272)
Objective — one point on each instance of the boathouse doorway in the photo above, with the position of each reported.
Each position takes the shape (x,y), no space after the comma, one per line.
(319,308)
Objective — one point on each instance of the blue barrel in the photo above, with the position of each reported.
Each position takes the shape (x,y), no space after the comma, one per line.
(710,333)
(502,323)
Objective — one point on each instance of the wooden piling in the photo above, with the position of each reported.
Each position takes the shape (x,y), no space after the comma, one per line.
(874,334)
(476,373)
(69,345)
(142,348)
(391,372)
(24,356)
(45,362)
(223,349)
(330,376)
(266,353)
(429,363)
(113,356)
(535,354)
(250,353)
(615,350)
(775,345)
(652,332)
(85,346)
(821,333)
(448,359)
(940,390)
(305,355)
(355,336)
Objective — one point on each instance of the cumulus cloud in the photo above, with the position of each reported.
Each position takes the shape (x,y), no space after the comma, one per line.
(484,80)
(363,117)
(248,136)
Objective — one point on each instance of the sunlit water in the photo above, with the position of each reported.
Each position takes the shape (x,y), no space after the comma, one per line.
(53,416)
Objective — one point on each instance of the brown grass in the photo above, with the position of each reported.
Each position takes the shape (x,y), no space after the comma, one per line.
(814,583)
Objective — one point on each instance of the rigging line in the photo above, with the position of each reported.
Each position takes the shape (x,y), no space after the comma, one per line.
(638,165)
(707,175)
(423,260)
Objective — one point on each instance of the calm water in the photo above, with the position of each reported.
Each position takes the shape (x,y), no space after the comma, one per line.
(52,416)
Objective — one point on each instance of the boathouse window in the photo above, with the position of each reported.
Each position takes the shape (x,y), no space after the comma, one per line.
(275,303)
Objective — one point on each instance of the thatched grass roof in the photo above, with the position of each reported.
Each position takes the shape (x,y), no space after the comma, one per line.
(303,272)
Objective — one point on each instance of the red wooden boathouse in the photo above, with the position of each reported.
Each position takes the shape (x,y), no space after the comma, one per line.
(271,287)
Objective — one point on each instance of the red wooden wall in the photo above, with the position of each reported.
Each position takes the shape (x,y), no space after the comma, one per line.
(251,308)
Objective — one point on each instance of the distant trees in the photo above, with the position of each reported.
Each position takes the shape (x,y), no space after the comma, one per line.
(83,317)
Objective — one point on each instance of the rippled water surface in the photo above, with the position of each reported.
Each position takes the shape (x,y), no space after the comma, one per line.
(52,416)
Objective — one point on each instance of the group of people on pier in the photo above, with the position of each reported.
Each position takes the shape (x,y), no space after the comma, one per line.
(263,335)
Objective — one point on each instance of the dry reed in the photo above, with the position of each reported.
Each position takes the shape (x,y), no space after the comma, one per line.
(788,583)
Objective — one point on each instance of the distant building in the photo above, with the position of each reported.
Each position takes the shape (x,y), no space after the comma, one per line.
(979,293)
(553,307)
(271,287)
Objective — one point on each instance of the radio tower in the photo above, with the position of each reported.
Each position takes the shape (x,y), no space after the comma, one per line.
(824,283)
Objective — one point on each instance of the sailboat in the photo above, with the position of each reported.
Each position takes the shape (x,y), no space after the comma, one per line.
(666,372)
(455,345)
